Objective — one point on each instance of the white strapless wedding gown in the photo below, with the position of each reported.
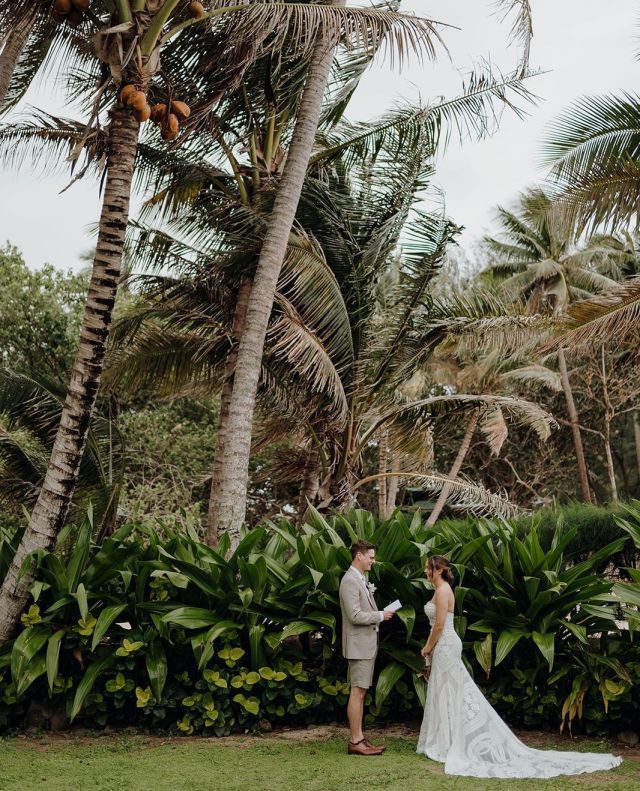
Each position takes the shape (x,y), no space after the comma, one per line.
(461,729)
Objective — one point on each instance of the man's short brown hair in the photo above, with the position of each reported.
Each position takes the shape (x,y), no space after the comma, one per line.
(362,547)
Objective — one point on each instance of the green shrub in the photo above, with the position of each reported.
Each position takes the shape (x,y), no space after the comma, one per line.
(165,632)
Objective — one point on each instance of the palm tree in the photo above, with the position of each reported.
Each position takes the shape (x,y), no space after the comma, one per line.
(29,34)
(310,325)
(539,262)
(235,463)
(234,26)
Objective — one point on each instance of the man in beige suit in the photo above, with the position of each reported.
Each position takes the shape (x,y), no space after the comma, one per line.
(361,620)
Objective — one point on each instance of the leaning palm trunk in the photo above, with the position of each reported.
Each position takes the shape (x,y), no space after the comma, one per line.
(575,425)
(12,50)
(239,318)
(235,463)
(51,508)
(455,469)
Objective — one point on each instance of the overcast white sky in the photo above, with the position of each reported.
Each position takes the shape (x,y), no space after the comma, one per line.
(588,46)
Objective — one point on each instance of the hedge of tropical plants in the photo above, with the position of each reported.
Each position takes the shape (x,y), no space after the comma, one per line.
(163,632)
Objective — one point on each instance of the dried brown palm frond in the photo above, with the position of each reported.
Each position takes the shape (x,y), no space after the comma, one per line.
(538,374)
(405,417)
(494,428)
(609,318)
(510,333)
(522,27)
(463,494)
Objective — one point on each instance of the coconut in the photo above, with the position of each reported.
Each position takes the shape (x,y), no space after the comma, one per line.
(181,110)
(62,7)
(196,9)
(81,5)
(137,100)
(172,123)
(143,115)
(75,17)
(167,134)
(158,112)
(126,92)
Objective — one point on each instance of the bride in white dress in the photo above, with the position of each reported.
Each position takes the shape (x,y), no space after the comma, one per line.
(460,728)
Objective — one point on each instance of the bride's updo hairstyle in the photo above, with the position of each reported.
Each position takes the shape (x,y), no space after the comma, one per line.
(438,563)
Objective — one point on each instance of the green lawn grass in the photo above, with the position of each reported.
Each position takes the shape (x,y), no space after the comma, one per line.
(273,763)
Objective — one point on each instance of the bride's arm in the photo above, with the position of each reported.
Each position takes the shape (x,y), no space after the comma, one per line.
(441,599)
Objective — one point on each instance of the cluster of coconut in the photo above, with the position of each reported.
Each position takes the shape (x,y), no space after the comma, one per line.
(167,116)
(71,11)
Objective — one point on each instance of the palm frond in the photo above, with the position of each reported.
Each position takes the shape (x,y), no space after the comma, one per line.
(475,113)
(612,318)
(48,140)
(293,341)
(464,495)
(593,150)
(428,410)
(538,374)
(494,428)
(522,26)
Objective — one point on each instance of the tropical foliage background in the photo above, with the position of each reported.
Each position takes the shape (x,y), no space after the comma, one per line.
(299,356)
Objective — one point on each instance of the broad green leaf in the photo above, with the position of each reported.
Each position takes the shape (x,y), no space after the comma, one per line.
(578,630)
(81,596)
(53,655)
(86,684)
(506,641)
(483,652)
(407,615)
(387,680)
(191,617)
(156,662)
(295,628)
(79,556)
(36,667)
(546,644)
(105,619)
(25,647)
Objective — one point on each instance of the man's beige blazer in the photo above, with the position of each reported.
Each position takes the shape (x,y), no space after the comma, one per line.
(360,618)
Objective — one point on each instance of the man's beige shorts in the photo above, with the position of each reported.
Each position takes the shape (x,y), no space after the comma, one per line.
(361,672)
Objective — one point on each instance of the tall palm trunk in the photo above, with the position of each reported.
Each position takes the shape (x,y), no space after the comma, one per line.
(387,486)
(310,484)
(383,468)
(575,426)
(393,485)
(636,436)
(13,46)
(51,508)
(608,417)
(239,318)
(456,467)
(233,482)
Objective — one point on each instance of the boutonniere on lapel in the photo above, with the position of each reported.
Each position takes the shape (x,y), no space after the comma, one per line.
(371,588)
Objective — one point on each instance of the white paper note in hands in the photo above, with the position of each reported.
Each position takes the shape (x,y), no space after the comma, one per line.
(394,606)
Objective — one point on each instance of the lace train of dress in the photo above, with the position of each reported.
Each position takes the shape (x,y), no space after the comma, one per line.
(461,729)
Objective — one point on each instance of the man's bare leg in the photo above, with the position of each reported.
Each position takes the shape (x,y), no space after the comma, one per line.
(355,713)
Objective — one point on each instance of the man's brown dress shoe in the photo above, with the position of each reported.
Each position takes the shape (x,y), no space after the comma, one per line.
(375,747)
(363,748)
